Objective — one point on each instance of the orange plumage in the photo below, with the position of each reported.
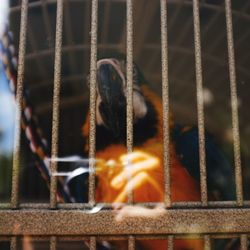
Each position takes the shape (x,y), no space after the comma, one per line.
(148,182)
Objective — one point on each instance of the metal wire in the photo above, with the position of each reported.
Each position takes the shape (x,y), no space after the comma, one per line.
(13,243)
(243,242)
(56,102)
(52,243)
(131,243)
(201,126)
(170,242)
(207,242)
(92,243)
(18,112)
(92,104)
(165,102)
(234,103)
(129,87)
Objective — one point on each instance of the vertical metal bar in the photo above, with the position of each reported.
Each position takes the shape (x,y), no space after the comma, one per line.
(170,242)
(165,101)
(52,243)
(234,103)
(92,244)
(130,75)
(92,105)
(243,242)
(207,242)
(56,102)
(131,243)
(13,243)
(130,85)
(19,96)
(198,68)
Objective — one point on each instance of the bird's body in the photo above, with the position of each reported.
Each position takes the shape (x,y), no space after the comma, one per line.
(145,171)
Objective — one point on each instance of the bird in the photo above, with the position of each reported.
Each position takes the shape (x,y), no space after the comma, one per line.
(145,164)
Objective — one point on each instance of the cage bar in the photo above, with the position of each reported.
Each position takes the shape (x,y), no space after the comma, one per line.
(13,243)
(207,242)
(165,101)
(170,242)
(234,103)
(92,104)
(200,108)
(129,20)
(92,243)
(131,243)
(243,242)
(78,222)
(56,102)
(52,243)
(18,113)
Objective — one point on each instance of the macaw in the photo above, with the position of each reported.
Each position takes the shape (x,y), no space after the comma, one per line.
(145,165)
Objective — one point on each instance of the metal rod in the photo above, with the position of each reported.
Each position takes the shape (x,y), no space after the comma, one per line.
(170,242)
(56,102)
(131,243)
(80,222)
(129,87)
(207,242)
(234,103)
(52,243)
(200,111)
(165,102)
(92,243)
(18,112)
(243,242)
(92,105)
(13,243)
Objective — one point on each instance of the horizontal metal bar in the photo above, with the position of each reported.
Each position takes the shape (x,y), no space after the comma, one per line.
(125,237)
(71,206)
(215,7)
(63,222)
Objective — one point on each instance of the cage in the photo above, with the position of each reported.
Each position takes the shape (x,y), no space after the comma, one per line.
(193,54)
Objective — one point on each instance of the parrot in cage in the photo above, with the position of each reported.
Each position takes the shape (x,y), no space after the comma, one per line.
(145,164)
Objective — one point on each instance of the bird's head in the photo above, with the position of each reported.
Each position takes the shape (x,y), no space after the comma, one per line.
(112,95)
(111,106)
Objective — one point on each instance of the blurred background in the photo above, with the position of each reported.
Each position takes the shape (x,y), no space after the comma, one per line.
(39,67)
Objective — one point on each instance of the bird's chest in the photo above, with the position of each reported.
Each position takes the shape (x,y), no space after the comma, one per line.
(147,182)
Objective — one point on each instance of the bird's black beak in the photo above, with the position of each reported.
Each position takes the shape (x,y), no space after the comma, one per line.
(113,103)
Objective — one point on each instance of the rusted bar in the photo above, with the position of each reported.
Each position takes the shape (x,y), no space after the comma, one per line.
(92,104)
(234,103)
(165,101)
(13,243)
(243,242)
(78,222)
(170,242)
(18,112)
(131,243)
(200,109)
(56,102)
(207,242)
(52,243)
(129,87)
(130,76)
(92,243)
